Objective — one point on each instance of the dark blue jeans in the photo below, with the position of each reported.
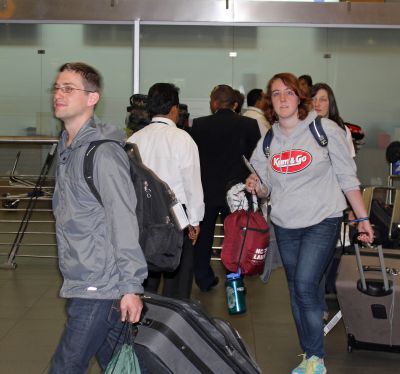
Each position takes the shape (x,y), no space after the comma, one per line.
(92,329)
(305,253)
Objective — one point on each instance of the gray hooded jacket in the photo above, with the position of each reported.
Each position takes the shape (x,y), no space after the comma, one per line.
(306,181)
(99,253)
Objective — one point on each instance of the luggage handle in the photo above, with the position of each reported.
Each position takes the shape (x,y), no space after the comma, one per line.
(361,269)
(392,271)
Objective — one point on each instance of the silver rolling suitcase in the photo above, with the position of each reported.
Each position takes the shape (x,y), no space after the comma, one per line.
(368,293)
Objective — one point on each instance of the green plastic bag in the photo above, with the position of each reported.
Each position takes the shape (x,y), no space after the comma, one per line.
(124,361)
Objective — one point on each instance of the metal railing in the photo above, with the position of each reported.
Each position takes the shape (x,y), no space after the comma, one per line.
(27,223)
(39,232)
(39,239)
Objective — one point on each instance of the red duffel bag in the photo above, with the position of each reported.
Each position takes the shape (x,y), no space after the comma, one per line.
(245,245)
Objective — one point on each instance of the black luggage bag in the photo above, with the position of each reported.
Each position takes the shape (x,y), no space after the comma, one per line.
(368,292)
(176,336)
(381,218)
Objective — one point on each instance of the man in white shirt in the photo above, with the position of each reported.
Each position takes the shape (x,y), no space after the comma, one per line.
(173,155)
(256,101)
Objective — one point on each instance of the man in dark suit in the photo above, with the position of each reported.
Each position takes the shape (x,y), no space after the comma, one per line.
(222,138)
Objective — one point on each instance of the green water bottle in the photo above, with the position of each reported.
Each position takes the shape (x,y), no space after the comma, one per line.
(235,293)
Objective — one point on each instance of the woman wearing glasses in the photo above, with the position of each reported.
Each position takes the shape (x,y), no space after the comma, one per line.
(307,185)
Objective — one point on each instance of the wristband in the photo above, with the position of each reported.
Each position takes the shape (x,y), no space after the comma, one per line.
(359,220)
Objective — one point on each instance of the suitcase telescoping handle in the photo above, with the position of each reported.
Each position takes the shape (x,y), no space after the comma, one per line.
(360,266)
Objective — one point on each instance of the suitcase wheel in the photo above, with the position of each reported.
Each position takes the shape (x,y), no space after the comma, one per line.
(350,342)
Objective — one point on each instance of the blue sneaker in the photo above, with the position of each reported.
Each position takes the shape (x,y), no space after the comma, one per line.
(315,365)
(301,369)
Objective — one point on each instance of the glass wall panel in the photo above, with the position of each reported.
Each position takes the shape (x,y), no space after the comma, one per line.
(20,81)
(265,51)
(195,58)
(359,64)
(363,71)
(29,58)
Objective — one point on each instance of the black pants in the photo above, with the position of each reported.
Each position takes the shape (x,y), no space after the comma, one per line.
(177,284)
(204,274)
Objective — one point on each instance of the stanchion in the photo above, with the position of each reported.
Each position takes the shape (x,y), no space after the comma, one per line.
(37,191)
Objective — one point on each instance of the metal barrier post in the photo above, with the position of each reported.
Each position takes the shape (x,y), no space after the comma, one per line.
(37,190)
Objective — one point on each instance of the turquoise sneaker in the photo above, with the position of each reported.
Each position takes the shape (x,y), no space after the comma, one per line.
(301,369)
(315,365)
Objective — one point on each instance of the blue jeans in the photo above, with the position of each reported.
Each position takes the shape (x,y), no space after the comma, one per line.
(93,328)
(305,253)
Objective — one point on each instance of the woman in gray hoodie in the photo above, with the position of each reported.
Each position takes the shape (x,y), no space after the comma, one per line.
(307,185)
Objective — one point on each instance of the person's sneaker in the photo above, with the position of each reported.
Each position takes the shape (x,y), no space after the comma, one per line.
(315,365)
(301,369)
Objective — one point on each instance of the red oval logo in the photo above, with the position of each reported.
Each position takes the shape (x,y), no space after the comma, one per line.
(289,162)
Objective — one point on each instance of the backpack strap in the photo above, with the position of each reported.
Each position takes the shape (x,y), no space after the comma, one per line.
(267,142)
(88,166)
(318,132)
(315,128)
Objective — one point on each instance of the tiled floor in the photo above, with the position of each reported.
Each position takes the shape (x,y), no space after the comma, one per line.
(32,318)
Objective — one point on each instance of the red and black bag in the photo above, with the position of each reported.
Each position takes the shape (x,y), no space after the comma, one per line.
(246,239)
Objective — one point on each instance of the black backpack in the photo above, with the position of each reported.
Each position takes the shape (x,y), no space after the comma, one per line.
(315,128)
(159,236)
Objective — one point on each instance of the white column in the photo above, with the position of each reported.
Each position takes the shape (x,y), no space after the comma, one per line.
(136,56)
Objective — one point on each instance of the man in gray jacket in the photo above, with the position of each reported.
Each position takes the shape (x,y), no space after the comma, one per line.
(99,254)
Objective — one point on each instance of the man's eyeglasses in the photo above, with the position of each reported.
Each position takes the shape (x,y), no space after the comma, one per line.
(67,89)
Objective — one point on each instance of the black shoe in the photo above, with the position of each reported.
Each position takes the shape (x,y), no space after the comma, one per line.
(212,285)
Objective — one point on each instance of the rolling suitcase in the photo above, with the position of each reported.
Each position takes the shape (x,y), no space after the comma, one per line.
(368,293)
(176,336)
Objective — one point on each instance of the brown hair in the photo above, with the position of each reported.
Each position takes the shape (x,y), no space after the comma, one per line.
(91,78)
(333,113)
(292,82)
(224,95)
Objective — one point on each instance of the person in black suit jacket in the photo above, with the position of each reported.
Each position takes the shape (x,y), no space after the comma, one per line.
(222,138)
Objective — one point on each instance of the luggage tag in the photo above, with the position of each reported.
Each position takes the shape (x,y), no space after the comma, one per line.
(332,323)
(180,216)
